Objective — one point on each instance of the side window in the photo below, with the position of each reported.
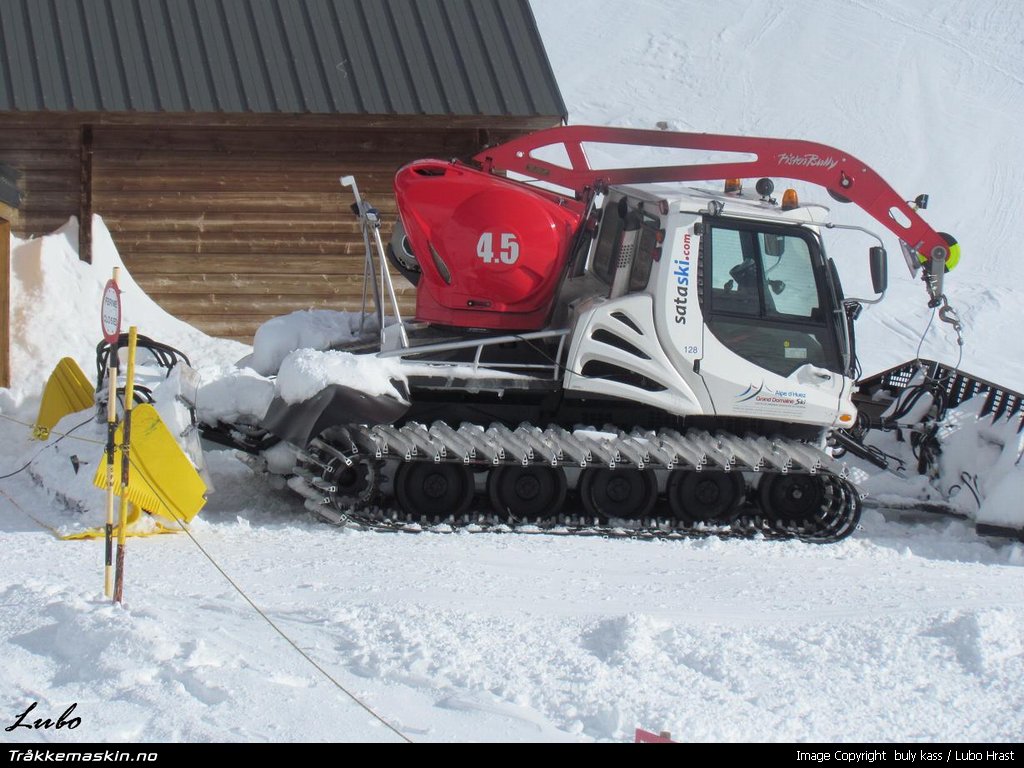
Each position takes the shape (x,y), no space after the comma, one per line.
(734,278)
(603,264)
(644,259)
(727,255)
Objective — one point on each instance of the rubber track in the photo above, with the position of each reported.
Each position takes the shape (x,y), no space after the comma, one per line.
(495,446)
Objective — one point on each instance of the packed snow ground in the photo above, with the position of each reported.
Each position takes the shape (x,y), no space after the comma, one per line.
(907,631)
(904,632)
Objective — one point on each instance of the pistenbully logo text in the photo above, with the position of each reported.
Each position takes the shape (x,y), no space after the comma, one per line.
(810,160)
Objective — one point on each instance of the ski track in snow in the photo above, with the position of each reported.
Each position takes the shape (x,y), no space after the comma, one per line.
(996,15)
(906,631)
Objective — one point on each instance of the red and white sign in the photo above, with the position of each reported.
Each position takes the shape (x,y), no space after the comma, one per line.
(646,737)
(110,312)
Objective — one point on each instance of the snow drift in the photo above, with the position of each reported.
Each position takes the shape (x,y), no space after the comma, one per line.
(55,300)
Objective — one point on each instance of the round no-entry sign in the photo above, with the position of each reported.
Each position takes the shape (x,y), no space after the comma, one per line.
(110,312)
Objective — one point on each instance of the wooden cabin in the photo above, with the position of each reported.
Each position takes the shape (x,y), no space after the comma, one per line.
(210,136)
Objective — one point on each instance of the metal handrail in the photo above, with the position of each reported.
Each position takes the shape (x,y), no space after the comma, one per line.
(480,344)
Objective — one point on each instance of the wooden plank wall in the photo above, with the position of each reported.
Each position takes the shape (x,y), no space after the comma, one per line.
(48,161)
(228,225)
(227,228)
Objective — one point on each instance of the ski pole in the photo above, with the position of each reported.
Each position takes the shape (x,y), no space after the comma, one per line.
(129,397)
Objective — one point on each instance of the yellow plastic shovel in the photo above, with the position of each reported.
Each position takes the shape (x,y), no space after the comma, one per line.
(67,391)
(163,481)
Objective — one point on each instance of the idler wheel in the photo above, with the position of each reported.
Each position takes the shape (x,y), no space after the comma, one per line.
(705,496)
(625,493)
(428,490)
(355,485)
(528,492)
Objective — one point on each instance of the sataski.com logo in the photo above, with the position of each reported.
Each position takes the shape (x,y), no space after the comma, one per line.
(765,395)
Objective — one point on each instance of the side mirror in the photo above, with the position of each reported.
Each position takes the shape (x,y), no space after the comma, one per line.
(879,269)
(774,245)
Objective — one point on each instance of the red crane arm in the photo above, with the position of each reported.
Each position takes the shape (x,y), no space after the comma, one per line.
(835,170)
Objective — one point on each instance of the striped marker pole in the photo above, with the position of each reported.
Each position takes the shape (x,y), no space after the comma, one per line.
(129,399)
(108,572)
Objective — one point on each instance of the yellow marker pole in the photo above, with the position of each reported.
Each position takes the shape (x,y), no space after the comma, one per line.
(108,573)
(129,396)
(108,569)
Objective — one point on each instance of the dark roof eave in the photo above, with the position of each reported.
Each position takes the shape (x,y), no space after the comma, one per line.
(477,58)
(306,119)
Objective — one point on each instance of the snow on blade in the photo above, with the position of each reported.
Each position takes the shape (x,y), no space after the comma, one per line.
(305,372)
(231,394)
(981,463)
(980,471)
(307,329)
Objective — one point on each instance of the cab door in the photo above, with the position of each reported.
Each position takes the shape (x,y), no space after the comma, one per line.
(770,344)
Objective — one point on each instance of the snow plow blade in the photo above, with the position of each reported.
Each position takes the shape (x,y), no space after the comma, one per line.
(335,404)
(162,480)
(888,401)
(67,391)
(877,391)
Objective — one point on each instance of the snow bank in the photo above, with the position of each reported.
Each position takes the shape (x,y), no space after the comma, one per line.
(307,371)
(55,300)
(55,303)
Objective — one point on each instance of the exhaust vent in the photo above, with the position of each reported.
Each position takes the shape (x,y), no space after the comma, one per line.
(598,369)
(624,319)
(607,337)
